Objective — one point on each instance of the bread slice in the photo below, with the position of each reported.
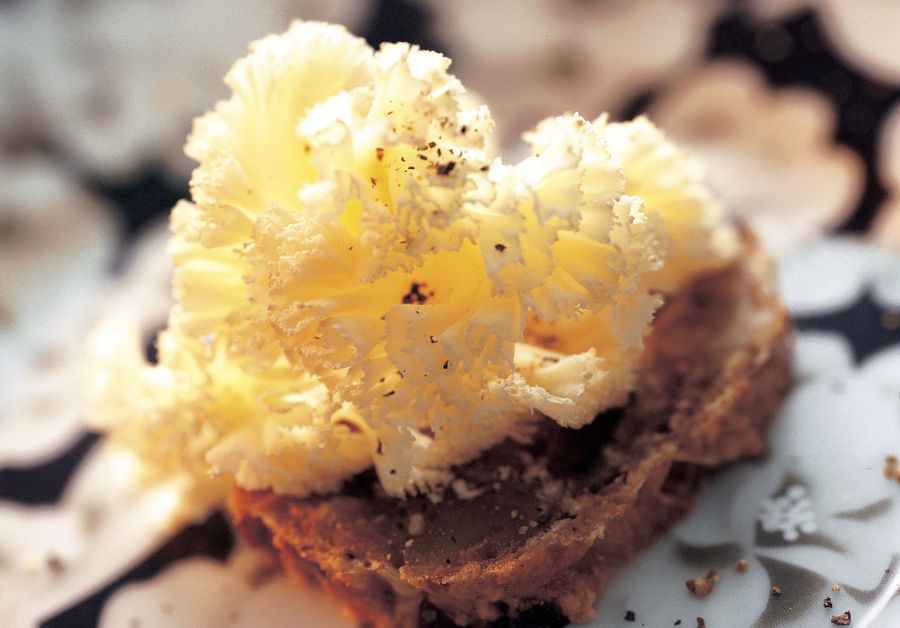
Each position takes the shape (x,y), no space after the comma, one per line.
(545,524)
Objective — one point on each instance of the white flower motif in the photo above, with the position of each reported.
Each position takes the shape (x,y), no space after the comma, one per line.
(790,513)
(17,98)
(769,153)
(835,272)
(843,499)
(56,242)
(859,30)
(142,289)
(886,229)
(575,56)
(55,556)
(203,592)
(116,84)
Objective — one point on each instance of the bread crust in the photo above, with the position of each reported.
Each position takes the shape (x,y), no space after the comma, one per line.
(557,516)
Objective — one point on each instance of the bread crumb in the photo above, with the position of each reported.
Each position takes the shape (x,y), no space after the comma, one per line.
(55,564)
(701,587)
(463,491)
(836,588)
(701,623)
(776,591)
(892,468)
(841,620)
(416,524)
(827,602)
(890,320)
(741,566)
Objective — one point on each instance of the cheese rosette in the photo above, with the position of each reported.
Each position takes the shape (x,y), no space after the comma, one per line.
(360,283)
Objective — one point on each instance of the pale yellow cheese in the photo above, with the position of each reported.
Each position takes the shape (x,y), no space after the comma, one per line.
(360,283)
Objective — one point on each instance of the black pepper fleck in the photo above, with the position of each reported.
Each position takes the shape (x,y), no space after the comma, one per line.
(445,169)
(415,294)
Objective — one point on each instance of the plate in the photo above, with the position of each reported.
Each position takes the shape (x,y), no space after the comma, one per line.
(812,530)
(817,518)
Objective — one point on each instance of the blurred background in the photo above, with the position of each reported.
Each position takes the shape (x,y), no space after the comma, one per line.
(792,106)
